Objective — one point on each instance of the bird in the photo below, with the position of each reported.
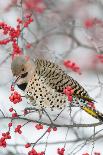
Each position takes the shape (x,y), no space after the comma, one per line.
(44,82)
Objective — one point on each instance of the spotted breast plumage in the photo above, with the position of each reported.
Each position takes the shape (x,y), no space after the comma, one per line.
(44,82)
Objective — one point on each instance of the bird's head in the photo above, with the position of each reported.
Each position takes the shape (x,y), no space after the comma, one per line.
(18,66)
(21,68)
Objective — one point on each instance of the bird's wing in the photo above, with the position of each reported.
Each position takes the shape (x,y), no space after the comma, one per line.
(57,79)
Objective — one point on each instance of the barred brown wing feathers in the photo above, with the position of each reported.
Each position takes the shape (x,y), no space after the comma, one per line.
(55,77)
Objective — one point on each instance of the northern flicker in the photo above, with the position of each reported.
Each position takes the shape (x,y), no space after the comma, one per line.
(43,83)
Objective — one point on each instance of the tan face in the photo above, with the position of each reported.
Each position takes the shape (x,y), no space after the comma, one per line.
(18,65)
(19,69)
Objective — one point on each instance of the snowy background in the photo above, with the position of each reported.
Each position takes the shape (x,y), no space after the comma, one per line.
(57,34)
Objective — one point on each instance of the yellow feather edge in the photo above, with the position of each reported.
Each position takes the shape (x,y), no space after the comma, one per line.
(90,111)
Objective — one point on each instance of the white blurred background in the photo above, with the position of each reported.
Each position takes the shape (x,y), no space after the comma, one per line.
(57,34)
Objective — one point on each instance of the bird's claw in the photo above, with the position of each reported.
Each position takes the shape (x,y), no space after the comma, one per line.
(29,109)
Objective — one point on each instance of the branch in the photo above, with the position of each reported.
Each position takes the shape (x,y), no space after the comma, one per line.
(55,124)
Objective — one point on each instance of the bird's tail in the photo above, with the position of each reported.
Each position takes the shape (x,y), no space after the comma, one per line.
(95,113)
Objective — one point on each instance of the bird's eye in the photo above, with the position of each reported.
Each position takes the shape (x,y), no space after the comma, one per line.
(22,69)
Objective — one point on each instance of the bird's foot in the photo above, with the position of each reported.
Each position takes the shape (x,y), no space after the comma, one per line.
(29,109)
(40,111)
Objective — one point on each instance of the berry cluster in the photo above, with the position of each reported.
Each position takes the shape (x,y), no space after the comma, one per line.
(37,6)
(34,152)
(60,151)
(3,139)
(15,97)
(69,92)
(14,114)
(18,129)
(39,126)
(90,22)
(26,22)
(73,66)
(12,34)
(50,129)
(99,57)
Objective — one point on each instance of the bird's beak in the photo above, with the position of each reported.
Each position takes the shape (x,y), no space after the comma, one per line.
(15,81)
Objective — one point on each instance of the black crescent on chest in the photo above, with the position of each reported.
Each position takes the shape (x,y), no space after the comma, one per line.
(22,86)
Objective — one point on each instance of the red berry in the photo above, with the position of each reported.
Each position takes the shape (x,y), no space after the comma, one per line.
(70,98)
(10,124)
(27,145)
(60,151)
(15,101)
(54,129)
(49,129)
(28,45)
(19,126)
(20,132)
(11,109)
(11,98)
(14,115)
(89,23)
